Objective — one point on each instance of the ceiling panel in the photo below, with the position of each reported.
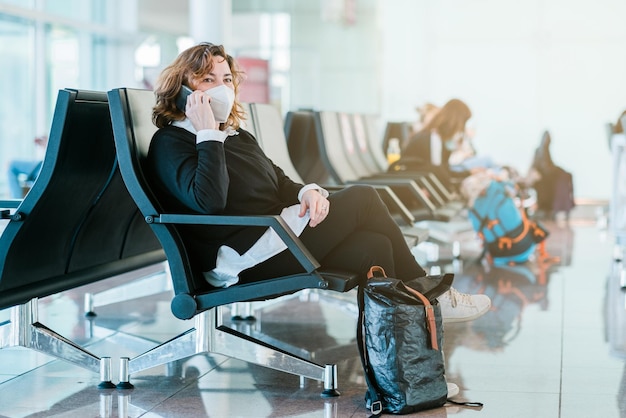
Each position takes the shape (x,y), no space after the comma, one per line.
(171,16)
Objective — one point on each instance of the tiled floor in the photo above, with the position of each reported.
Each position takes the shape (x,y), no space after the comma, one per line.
(553,346)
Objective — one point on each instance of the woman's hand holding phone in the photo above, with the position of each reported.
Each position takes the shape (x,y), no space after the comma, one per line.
(199,112)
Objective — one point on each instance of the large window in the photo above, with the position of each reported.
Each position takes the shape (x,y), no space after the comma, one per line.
(17,107)
(48,45)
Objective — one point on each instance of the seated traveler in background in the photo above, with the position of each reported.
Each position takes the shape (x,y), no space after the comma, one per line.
(202,162)
(465,157)
(22,172)
(431,147)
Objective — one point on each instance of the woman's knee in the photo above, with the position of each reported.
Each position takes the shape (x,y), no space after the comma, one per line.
(360,251)
(360,194)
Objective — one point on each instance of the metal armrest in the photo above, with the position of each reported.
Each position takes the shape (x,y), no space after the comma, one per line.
(286,234)
(10,203)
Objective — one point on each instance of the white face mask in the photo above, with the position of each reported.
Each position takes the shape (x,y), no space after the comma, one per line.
(450,144)
(222,100)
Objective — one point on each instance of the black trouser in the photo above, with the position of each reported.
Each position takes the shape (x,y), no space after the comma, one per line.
(358,233)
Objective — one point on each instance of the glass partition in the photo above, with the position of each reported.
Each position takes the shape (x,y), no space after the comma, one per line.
(48,45)
(17,110)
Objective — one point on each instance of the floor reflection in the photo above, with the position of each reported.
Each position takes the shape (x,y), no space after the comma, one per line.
(616,308)
(511,289)
(553,345)
(615,317)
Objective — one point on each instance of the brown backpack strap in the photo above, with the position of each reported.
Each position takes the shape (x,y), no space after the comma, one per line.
(431,324)
(376,269)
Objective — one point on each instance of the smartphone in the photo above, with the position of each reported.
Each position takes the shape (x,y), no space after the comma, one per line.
(181,99)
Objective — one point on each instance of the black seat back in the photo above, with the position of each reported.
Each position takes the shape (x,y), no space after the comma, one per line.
(133,130)
(375,139)
(330,141)
(361,137)
(355,146)
(131,111)
(300,133)
(270,133)
(78,223)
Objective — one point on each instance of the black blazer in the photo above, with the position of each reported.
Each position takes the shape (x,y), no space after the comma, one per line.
(230,178)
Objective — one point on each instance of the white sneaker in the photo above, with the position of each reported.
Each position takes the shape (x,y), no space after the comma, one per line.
(460,307)
(453,390)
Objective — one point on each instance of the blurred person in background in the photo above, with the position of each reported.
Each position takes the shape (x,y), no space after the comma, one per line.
(22,173)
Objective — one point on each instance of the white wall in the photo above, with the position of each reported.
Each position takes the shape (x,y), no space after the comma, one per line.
(522,67)
(335,64)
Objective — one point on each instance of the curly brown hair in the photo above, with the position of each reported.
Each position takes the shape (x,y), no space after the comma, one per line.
(190,64)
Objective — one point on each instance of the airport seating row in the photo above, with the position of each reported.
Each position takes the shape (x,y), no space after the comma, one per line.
(344,148)
(338,148)
(91,216)
(268,129)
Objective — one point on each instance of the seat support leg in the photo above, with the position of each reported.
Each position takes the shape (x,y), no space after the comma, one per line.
(24,330)
(210,336)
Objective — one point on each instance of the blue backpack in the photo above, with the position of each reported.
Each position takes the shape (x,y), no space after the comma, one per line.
(509,237)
